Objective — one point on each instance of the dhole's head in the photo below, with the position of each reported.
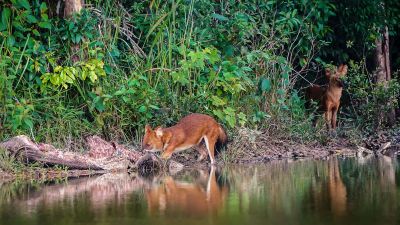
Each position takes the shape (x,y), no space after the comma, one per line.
(152,140)
(334,76)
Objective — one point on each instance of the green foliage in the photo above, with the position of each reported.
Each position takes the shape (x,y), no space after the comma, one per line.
(135,102)
(78,29)
(358,24)
(63,76)
(369,100)
(222,57)
(35,52)
(238,61)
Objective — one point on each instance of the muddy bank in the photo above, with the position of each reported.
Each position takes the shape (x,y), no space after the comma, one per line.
(251,146)
(246,146)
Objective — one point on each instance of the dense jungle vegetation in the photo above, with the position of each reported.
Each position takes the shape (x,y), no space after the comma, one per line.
(115,66)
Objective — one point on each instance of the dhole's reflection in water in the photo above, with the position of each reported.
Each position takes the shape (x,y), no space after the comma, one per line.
(201,196)
(335,191)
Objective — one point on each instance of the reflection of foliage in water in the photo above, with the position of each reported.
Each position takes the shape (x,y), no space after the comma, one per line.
(314,191)
(377,177)
(281,186)
(11,191)
(335,191)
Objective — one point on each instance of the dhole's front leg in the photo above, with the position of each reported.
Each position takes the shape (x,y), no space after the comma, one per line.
(167,153)
(334,117)
(328,118)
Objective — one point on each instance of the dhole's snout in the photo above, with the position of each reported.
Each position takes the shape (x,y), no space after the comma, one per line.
(340,83)
(144,147)
(148,148)
(344,83)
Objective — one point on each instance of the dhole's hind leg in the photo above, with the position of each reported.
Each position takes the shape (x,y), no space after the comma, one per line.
(210,143)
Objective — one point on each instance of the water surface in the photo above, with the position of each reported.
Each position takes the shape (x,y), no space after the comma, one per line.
(336,191)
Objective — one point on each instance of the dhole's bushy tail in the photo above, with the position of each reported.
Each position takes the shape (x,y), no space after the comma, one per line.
(222,139)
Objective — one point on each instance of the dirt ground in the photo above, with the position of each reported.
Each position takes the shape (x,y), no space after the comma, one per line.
(247,147)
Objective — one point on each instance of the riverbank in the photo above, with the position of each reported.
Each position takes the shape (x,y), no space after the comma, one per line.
(246,146)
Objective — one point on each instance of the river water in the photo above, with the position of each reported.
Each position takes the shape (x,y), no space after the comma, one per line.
(335,191)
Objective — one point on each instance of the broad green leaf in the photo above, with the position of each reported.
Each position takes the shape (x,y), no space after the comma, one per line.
(231,121)
(58,69)
(10,41)
(92,76)
(45,17)
(142,109)
(25,4)
(43,7)
(31,19)
(281,91)
(45,24)
(29,123)
(100,105)
(217,101)
(154,107)
(265,85)
(120,92)
(5,17)
(78,38)
(108,69)
(219,17)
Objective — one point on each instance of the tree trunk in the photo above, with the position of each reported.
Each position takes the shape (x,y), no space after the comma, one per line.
(71,7)
(383,74)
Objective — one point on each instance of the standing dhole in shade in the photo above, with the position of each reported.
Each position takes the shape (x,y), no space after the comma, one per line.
(329,97)
(187,133)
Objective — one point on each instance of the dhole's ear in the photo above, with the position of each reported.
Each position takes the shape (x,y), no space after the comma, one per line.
(159,132)
(328,73)
(343,70)
(147,128)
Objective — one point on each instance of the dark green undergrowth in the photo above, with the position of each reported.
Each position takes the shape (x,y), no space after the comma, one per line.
(118,66)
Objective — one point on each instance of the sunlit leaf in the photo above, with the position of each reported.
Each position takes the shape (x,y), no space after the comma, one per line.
(219,17)
(265,85)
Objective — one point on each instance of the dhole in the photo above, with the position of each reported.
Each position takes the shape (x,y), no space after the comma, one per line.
(189,132)
(329,97)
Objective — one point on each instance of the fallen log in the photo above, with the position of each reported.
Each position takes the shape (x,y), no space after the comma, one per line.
(102,156)
(27,151)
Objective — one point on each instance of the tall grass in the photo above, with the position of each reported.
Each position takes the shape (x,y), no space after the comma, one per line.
(238,62)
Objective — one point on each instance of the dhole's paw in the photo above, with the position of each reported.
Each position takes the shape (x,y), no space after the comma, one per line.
(165,156)
(333,133)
